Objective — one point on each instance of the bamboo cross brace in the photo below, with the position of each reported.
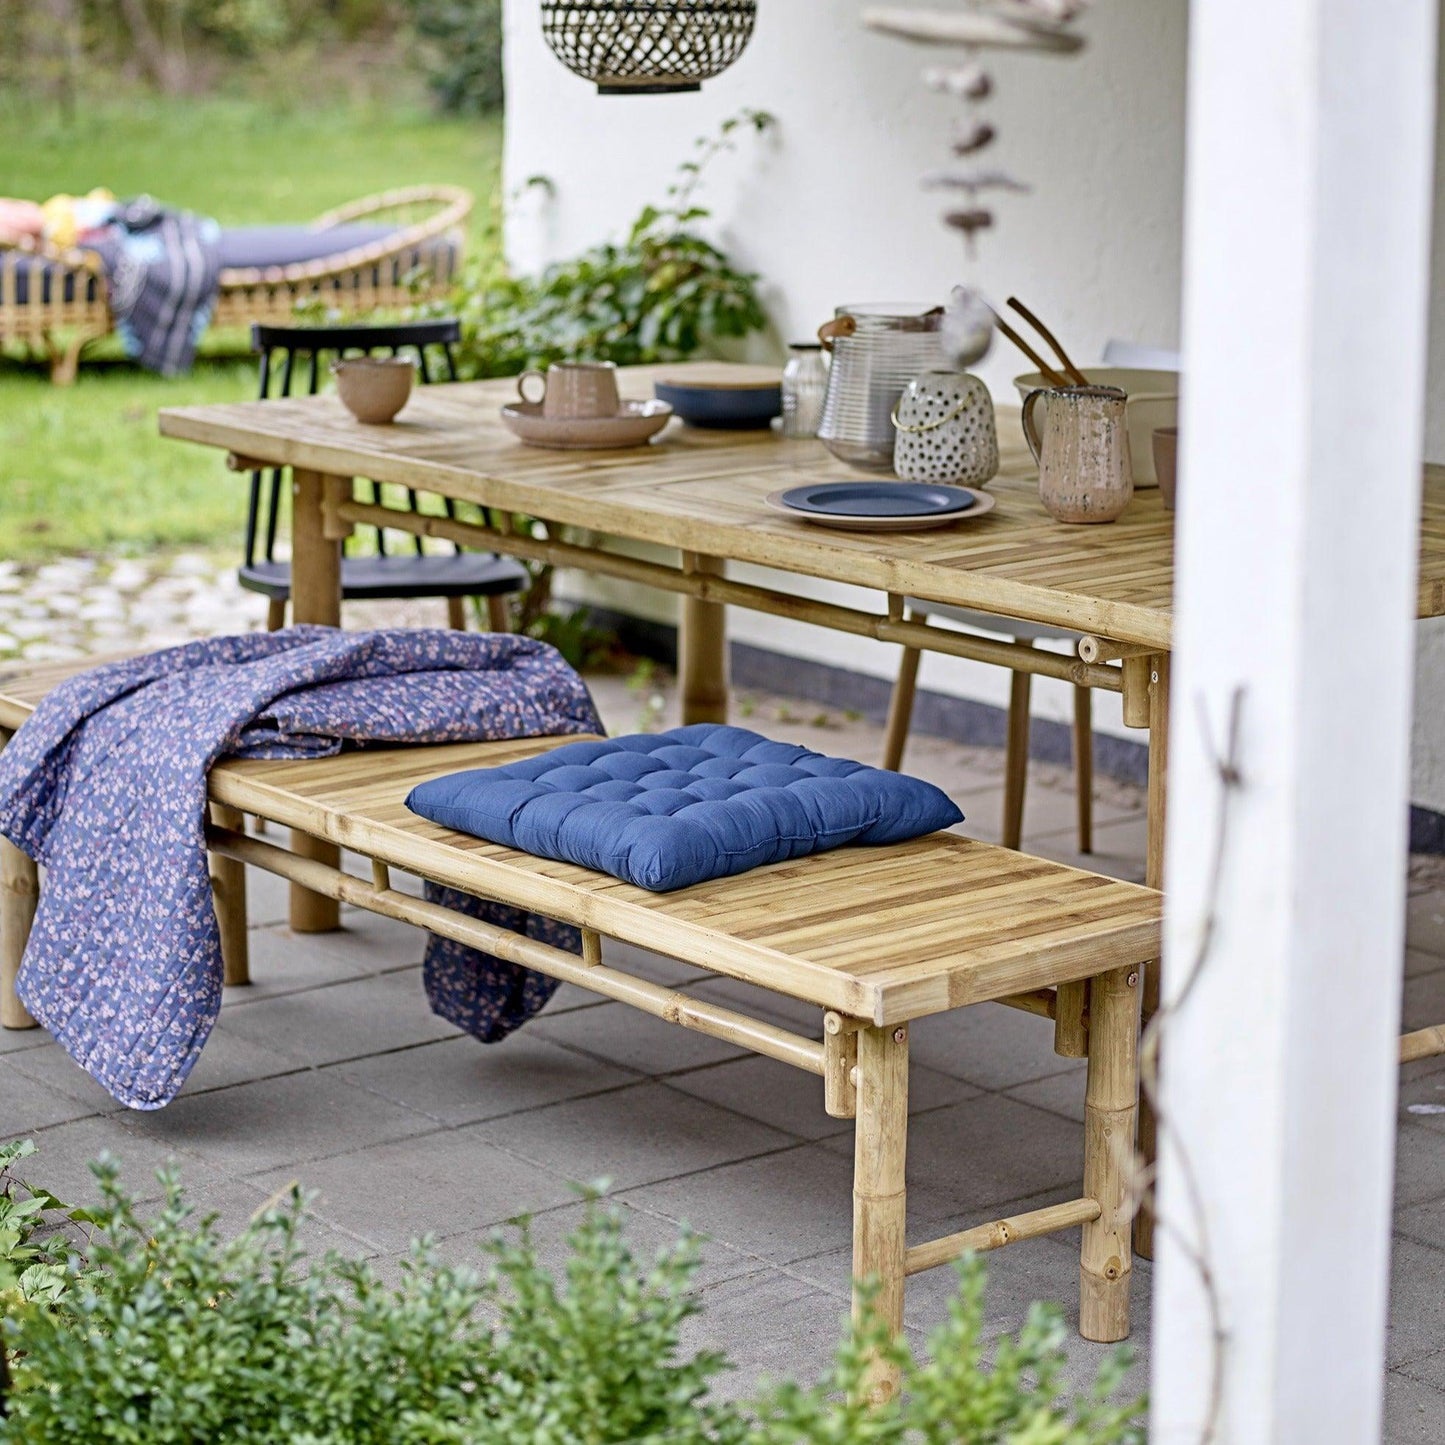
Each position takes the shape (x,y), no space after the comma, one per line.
(708,587)
(664,1003)
(999,1232)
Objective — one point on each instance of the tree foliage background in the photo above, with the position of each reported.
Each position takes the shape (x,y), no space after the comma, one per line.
(57,49)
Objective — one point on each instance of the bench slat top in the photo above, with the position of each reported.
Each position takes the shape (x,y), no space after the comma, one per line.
(887,934)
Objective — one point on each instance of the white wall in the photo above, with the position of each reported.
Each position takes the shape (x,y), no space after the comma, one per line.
(828,209)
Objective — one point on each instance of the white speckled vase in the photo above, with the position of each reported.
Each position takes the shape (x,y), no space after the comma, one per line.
(945,430)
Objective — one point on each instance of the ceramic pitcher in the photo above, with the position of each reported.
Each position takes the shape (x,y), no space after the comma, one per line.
(1085,471)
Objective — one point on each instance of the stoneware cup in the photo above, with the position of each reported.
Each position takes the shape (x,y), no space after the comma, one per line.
(1085,470)
(573,390)
(1166,462)
(374,388)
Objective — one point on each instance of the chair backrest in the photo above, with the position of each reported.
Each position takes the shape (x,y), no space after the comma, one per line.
(1134,353)
(282,347)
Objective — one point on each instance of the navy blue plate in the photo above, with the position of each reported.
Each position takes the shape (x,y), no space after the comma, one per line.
(878,499)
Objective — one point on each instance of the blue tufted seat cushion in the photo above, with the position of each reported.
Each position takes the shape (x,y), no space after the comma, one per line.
(665,810)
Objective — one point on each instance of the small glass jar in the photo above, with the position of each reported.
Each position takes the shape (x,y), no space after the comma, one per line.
(805,384)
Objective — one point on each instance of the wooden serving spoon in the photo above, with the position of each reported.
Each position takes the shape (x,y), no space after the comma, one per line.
(1050,375)
(1075,375)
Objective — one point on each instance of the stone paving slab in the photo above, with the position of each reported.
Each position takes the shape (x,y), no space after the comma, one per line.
(618,1034)
(648,1235)
(434,1181)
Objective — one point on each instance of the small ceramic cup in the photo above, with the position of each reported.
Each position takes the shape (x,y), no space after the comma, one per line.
(374,388)
(1166,461)
(945,430)
(573,389)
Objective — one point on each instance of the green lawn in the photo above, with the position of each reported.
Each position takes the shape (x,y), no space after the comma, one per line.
(81,468)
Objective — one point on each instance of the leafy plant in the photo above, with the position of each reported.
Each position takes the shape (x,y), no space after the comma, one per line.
(960,1392)
(36,1251)
(38,1257)
(580,641)
(647,686)
(661,293)
(177,1334)
(173,1333)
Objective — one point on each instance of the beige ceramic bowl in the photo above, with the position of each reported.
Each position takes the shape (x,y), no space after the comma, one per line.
(374,388)
(1153,402)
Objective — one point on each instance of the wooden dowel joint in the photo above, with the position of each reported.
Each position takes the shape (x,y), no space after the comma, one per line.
(1038,1001)
(1422,1043)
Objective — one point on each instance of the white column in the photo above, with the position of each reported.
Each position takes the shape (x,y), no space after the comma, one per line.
(1308,189)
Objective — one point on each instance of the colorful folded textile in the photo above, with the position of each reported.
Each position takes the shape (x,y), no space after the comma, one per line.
(164,272)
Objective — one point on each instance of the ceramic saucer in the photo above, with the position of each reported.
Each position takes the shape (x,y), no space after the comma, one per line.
(635,423)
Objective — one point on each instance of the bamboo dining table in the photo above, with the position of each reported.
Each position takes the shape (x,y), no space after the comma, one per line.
(703,495)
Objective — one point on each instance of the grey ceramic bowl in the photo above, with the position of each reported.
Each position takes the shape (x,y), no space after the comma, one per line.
(726,408)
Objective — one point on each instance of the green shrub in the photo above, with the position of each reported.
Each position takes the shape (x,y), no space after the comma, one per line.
(173,1333)
(461,53)
(961,1393)
(662,293)
(169,1332)
(36,1249)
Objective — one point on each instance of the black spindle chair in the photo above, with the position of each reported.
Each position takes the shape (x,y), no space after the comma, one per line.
(413,572)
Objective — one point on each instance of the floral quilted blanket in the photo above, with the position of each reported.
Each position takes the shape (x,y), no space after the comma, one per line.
(105,785)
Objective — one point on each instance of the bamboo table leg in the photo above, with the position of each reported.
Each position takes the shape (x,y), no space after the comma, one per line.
(19,895)
(702,650)
(879,1197)
(1105,1261)
(315,597)
(1154,877)
(228,889)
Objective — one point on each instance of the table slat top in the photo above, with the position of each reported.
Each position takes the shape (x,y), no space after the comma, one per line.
(705,491)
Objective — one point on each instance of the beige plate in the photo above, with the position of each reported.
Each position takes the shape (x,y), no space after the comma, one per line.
(634,425)
(982,502)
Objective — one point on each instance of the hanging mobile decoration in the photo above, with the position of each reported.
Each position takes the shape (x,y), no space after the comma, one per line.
(647,47)
(1039,25)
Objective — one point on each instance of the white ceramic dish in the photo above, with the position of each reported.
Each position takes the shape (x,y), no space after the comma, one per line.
(1153,402)
(635,424)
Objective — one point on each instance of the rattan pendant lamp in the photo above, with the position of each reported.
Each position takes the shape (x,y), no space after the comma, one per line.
(647,47)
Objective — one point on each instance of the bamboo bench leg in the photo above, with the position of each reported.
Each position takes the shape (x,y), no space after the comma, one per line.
(228,890)
(1106,1261)
(19,895)
(879,1197)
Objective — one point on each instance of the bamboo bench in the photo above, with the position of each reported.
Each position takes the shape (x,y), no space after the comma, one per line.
(873,937)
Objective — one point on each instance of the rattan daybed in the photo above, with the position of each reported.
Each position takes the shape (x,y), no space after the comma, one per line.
(389,250)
